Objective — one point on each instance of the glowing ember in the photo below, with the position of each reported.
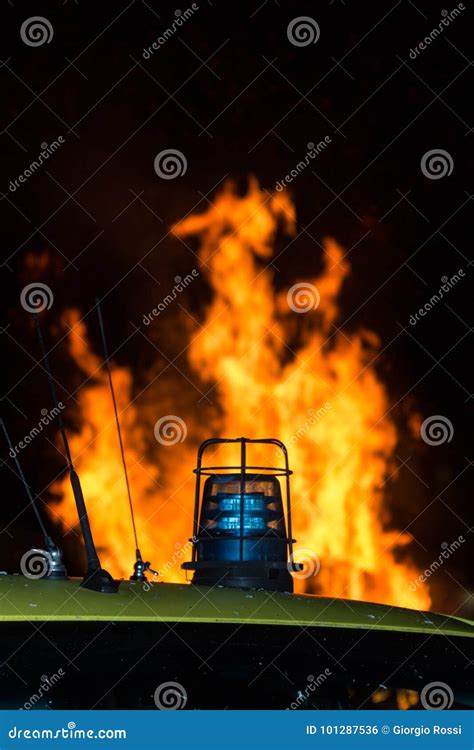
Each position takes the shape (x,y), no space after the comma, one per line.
(276,366)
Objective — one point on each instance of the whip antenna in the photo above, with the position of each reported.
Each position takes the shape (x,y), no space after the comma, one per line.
(96,578)
(52,554)
(139,567)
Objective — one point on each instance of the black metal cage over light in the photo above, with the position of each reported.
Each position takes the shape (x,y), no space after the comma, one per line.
(239,531)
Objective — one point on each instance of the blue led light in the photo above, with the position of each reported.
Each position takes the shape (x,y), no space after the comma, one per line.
(254,507)
(232,502)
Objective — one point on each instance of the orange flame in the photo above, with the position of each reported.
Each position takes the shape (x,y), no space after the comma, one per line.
(279,367)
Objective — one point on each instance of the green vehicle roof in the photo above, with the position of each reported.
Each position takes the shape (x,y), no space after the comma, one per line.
(23,599)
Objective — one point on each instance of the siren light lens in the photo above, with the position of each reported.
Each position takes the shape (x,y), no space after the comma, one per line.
(261,523)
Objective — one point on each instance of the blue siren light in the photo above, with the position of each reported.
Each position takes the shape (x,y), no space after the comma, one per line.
(239,533)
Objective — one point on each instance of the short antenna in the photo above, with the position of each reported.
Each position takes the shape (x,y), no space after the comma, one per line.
(140,567)
(96,578)
(52,554)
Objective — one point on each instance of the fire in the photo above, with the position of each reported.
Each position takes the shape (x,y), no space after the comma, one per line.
(276,365)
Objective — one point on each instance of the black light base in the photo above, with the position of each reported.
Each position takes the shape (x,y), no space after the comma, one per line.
(99,580)
(242,575)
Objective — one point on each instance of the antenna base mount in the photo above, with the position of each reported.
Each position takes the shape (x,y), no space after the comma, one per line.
(140,568)
(99,580)
(57,570)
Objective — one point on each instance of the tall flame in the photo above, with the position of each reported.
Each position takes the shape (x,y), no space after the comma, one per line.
(277,366)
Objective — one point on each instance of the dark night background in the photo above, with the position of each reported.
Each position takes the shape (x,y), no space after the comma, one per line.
(231,93)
